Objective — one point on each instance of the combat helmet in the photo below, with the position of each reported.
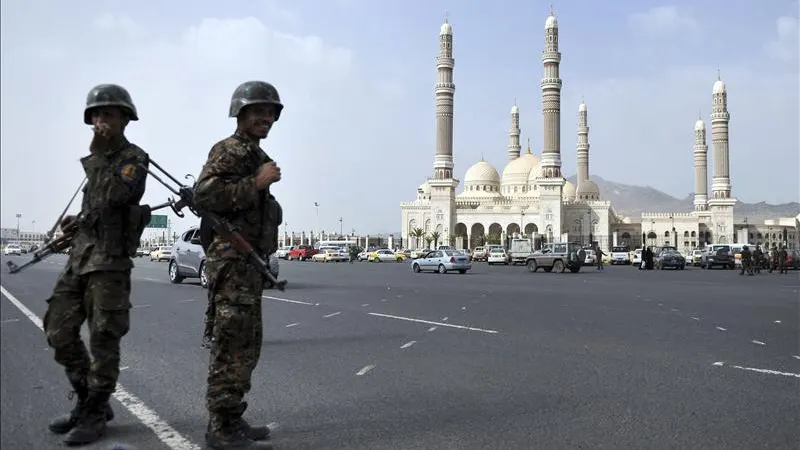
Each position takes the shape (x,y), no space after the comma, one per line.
(109,95)
(253,93)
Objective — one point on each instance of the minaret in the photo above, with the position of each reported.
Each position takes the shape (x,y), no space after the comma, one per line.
(514,147)
(550,181)
(700,166)
(551,100)
(721,182)
(583,144)
(445,91)
(721,203)
(443,185)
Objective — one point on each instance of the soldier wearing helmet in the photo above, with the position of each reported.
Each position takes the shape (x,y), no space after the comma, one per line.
(747,261)
(235,183)
(95,285)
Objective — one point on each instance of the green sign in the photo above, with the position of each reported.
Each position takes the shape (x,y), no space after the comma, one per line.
(157,222)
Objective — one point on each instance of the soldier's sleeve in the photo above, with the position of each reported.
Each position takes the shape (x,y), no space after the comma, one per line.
(220,187)
(130,179)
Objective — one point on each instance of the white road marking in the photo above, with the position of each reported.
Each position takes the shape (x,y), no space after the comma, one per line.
(399,296)
(293,325)
(722,329)
(123,367)
(152,279)
(695,318)
(777,321)
(140,306)
(432,328)
(408,344)
(9,320)
(365,304)
(188,300)
(365,369)
(674,310)
(796,356)
(463,308)
(444,319)
(165,433)
(766,371)
(299,302)
(410,319)
(332,314)
(383,299)
(757,342)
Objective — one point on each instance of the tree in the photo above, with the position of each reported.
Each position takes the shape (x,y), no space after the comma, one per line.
(428,239)
(493,238)
(417,234)
(435,236)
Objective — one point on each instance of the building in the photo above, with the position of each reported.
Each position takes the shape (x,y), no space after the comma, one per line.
(531,197)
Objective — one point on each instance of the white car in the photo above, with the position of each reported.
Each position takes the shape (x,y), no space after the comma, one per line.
(163,253)
(637,257)
(283,252)
(12,249)
(328,255)
(384,255)
(498,255)
(620,255)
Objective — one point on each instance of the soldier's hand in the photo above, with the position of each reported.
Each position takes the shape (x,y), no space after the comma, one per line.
(101,137)
(67,222)
(267,174)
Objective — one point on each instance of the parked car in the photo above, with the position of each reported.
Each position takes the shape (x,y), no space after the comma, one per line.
(188,260)
(637,257)
(12,249)
(301,252)
(591,257)
(558,256)
(330,255)
(161,253)
(718,255)
(670,259)
(620,254)
(385,254)
(283,252)
(498,255)
(479,254)
(442,261)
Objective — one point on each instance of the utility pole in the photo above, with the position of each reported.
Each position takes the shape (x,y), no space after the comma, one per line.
(341,233)
(19,241)
(316,226)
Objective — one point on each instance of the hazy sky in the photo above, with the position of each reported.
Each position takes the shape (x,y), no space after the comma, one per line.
(357,77)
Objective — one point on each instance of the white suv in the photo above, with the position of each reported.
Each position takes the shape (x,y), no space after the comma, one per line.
(12,249)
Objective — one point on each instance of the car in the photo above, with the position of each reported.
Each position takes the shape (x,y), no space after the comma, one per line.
(161,253)
(620,254)
(670,259)
(385,254)
(12,249)
(283,252)
(557,256)
(591,257)
(328,255)
(718,255)
(637,257)
(442,261)
(301,252)
(188,260)
(498,255)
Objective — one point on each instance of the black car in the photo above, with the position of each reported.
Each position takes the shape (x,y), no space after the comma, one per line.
(671,259)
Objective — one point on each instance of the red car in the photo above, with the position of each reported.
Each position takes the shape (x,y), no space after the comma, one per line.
(301,252)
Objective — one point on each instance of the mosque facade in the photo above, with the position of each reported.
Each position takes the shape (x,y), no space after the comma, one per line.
(530,198)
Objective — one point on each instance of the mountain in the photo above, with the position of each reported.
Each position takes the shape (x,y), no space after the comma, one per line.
(631,201)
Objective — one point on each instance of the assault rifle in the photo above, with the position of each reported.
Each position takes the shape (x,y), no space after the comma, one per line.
(221,226)
(64,241)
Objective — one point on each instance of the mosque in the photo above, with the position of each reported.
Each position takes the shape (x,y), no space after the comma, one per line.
(532,199)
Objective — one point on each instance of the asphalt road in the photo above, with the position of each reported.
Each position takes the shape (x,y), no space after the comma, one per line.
(373,356)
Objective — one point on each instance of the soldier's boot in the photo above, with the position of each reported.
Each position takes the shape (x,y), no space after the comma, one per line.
(91,424)
(65,422)
(254,432)
(236,440)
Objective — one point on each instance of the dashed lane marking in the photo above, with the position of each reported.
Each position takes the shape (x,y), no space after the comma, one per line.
(758,342)
(327,316)
(754,369)
(449,325)
(408,344)
(298,302)
(163,431)
(365,369)
(293,325)
(9,320)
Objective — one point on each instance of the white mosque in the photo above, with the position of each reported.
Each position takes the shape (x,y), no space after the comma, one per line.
(532,199)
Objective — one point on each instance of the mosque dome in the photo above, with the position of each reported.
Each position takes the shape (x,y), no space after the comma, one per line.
(719,87)
(482,173)
(626,219)
(424,188)
(588,190)
(514,109)
(446,29)
(582,107)
(699,125)
(551,22)
(568,191)
(520,168)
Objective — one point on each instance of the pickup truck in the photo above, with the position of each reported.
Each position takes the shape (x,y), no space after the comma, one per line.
(301,252)
(558,256)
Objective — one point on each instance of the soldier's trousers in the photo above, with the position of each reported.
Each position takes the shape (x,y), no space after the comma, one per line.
(235,288)
(103,300)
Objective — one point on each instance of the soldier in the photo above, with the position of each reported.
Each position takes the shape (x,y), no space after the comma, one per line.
(747,261)
(773,257)
(758,259)
(782,254)
(599,253)
(96,282)
(234,183)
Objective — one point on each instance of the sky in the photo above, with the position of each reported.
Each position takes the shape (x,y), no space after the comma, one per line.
(357,77)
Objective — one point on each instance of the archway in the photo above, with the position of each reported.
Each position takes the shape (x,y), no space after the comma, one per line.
(651,238)
(460,233)
(495,234)
(531,228)
(478,237)
(626,238)
(512,229)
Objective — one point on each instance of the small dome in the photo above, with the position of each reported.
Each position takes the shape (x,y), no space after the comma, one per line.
(551,22)
(568,191)
(514,110)
(446,29)
(719,87)
(626,219)
(520,167)
(588,189)
(482,173)
(424,188)
(582,107)
(535,173)
(699,125)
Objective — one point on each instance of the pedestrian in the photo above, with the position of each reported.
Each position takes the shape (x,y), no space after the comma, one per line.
(95,285)
(782,255)
(235,183)
(758,259)
(747,261)
(599,255)
(773,257)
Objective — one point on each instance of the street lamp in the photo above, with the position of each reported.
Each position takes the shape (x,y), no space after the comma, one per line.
(341,233)
(591,241)
(674,233)
(316,226)
(652,227)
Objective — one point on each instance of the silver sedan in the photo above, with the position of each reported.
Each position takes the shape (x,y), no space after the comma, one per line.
(442,261)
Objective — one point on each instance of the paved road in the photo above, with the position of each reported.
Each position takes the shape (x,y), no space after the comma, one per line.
(372,356)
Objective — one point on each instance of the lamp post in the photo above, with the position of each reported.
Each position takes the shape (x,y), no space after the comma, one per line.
(521,223)
(674,233)
(19,241)
(652,225)
(746,231)
(591,241)
(341,233)
(316,225)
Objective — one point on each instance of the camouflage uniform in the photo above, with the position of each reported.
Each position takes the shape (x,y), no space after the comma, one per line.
(758,259)
(747,261)
(95,285)
(782,255)
(773,258)
(226,186)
